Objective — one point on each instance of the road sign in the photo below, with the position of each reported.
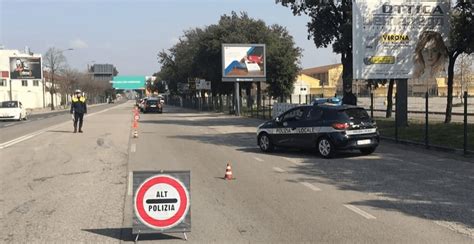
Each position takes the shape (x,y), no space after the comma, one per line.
(129,82)
(203,85)
(161,202)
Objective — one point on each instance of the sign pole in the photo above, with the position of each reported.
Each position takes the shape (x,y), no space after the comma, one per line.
(237,99)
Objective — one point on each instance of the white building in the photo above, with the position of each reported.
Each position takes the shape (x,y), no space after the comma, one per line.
(21,78)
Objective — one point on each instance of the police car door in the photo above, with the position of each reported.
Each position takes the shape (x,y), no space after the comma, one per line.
(310,127)
(287,131)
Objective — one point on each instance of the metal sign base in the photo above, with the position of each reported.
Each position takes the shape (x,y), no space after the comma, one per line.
(138,235)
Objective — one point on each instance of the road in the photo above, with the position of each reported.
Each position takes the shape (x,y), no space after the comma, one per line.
(62,187)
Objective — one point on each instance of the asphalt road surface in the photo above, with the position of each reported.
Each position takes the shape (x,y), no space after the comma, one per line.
(61,187)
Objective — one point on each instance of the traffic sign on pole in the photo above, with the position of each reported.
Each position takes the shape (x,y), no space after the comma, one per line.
(161,202)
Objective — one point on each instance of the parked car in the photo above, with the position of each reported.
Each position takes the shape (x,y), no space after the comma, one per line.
(12,110)
(153,104)
(324,127)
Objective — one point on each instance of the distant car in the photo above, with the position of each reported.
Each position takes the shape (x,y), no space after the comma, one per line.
(153,104)
(12,110)
(325,127)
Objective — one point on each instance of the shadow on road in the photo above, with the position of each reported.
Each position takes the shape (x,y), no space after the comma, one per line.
(125,234)
(413,189)
(237,122)
(237,139)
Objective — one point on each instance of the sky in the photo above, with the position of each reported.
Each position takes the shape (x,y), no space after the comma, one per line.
(130,33)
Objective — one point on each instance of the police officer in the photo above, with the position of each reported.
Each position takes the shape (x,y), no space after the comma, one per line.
(349,97)
(78,109)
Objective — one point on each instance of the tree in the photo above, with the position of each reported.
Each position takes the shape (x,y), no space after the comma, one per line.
(461,39)
(198,54)
(54,61)
(388,113)
(68,82)
(463,71)
(331,23)
(282,61)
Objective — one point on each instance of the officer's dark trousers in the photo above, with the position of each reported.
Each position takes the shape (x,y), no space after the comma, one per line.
(78,117)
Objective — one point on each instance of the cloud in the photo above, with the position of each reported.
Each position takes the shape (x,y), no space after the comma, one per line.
(78,43)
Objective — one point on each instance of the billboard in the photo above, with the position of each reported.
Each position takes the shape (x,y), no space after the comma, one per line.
(25,68)
(243,62)
(203,85)
(389,37)
(129,82)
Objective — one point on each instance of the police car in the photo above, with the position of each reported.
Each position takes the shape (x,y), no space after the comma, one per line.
(326,127)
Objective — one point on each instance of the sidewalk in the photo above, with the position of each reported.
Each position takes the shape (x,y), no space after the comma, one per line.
(60,187)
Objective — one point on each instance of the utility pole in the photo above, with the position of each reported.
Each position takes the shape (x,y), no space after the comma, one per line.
(10,93)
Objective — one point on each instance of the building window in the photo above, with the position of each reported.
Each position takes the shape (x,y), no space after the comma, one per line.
(35,82)
(24,83)
(3,82)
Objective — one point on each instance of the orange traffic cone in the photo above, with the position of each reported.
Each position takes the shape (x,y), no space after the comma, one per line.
(228,173)
(135,127)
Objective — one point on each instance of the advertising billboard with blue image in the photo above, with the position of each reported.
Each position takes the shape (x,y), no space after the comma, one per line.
(245,61)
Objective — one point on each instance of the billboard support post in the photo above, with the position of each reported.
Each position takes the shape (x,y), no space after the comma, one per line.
(402,102)
(237,99)
(427,141)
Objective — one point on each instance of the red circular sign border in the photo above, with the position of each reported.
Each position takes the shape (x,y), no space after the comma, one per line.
(167,223)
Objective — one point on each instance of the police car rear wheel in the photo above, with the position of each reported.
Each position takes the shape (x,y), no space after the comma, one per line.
(265,143)
(325,148)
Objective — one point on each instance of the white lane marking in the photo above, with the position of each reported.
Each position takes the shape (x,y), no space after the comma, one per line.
(133,148)
(394,159)
(310,186)
(39,132)
(8,124)
(359,211)
(279,170)
(259,159)
(130,183)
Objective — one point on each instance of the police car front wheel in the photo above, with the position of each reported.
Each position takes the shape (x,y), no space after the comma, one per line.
(265,143)
(325,147)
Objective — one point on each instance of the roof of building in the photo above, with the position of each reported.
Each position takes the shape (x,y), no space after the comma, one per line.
(320,69)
